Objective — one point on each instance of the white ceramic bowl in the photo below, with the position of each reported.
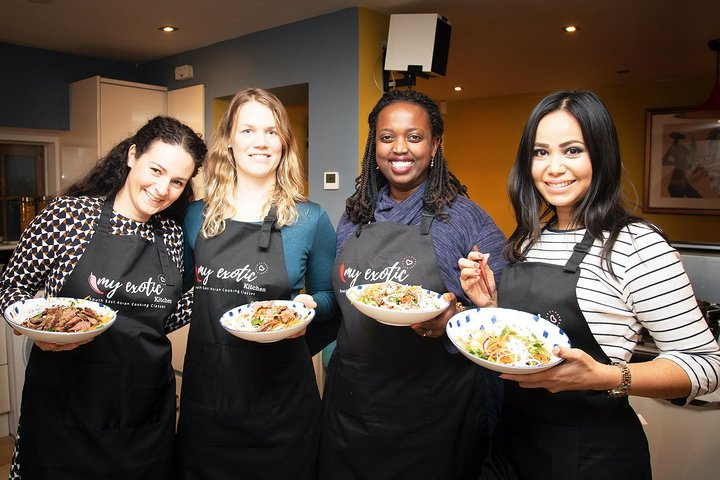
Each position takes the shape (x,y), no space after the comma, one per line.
(492,318)
(230,319)
(20,311)
(398,318)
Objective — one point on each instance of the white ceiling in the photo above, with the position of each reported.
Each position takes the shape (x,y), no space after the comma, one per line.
(498,47)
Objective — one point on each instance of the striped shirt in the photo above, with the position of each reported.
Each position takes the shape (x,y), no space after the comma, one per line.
(651,290)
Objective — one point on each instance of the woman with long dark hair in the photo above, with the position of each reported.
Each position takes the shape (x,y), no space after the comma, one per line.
(106,409)
(398,404)
(580,259)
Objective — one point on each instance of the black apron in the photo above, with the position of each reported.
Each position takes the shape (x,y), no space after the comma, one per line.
(106,410)
(397,405)
(247,410)
(568,435)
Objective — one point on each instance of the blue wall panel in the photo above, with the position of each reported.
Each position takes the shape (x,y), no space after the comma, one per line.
(34,90)
(322,52)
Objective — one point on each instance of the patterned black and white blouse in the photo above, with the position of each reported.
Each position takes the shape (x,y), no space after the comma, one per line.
(51,246)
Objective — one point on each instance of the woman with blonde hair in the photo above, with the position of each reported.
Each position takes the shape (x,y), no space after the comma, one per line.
(251,407)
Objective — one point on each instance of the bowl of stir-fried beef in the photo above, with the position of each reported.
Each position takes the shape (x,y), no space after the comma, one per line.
(267,321)
(59,320)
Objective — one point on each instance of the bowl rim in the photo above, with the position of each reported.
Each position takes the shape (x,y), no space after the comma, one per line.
(289,330)
(355,288)
(55,337)
(518,369)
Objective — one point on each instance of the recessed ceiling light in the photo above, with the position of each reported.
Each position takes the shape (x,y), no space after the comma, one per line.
(457,89)
(571,28)
(168,28)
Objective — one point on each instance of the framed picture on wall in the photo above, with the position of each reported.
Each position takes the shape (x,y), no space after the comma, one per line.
(682,163)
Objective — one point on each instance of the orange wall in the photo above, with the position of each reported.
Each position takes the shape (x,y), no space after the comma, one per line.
(373,28)
(481,138)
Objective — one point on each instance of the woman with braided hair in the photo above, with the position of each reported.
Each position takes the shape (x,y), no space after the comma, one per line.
(398,404)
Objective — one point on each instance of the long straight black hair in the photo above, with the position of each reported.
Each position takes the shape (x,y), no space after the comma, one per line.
(603,207)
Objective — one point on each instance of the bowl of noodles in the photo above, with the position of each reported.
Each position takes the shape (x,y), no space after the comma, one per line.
(506,340)
(267,321)
(396,304)
(59,320)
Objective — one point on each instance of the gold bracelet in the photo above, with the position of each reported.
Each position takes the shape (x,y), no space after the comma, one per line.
(623,388)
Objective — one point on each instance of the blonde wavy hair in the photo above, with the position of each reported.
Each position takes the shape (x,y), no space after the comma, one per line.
(220,173)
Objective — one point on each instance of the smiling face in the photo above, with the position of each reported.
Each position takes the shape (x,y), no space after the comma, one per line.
(156,179)
(561,167)
(404,147)
(256,144)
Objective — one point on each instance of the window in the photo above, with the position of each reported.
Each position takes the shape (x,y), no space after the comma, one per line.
(22,181)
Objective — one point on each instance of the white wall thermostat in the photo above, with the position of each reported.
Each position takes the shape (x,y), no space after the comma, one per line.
(331,181)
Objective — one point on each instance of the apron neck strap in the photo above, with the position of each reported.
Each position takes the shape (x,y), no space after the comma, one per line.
(427,219)
(579,251)
(267,226)
(103,224)
(158,231)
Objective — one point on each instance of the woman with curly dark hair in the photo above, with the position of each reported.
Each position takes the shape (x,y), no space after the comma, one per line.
(106,409)
(398,404)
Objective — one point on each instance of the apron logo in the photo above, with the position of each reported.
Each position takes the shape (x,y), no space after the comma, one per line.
(108,287)
(553,317)
(342,273)
(409,262)
(261,268)
(202,274)
(92,281)
(395,273)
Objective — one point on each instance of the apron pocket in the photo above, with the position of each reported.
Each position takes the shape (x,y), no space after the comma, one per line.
(402,393)
(347,385)
(150,397)
(93,397)
(542,450)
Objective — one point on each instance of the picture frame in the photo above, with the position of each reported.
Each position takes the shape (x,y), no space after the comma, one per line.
(682,163)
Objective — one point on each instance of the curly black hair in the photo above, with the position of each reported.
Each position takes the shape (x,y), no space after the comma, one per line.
(442,186)
(108,175)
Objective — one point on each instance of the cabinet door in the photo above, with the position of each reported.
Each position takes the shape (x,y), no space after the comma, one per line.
(124,109)
(188,105)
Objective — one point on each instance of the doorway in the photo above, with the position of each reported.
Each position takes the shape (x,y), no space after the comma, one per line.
(22,181)
(295,98)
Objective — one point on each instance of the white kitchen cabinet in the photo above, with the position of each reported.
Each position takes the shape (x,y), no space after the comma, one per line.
(684,441)
(103,112)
